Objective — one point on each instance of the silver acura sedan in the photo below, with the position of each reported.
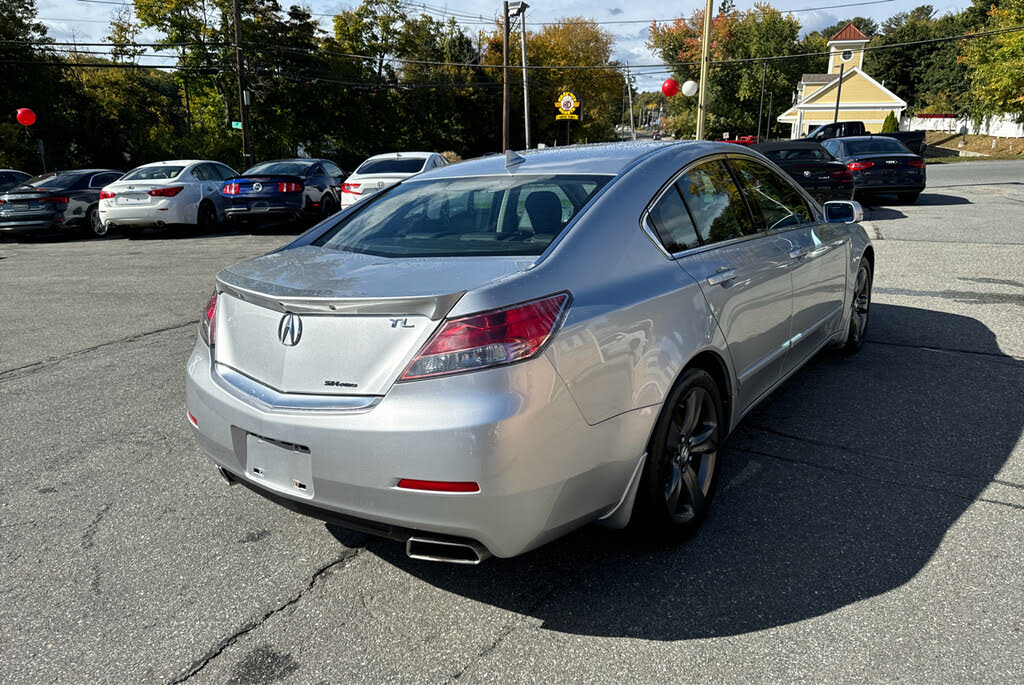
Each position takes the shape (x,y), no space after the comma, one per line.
(493,353)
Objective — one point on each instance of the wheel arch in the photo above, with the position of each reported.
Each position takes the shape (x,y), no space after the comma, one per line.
(714,364)
(208,203)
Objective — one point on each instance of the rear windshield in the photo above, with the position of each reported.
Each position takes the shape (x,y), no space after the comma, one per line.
(153,173)
(800,154)
(409,165)
(282,168)
(55,181)
(455,217)
(879,145)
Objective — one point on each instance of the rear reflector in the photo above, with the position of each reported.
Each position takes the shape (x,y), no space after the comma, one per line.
(106,194)
(166,192)
(231,188)
(438,485)
(351,188)
(859,166)
(489,339)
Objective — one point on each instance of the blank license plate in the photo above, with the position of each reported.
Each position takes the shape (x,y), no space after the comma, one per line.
(19,207)
(279,465)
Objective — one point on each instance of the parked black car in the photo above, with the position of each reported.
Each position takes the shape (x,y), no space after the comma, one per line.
(880,165)
(914,140)
(57,201)
(812,167)
(285,190)
(10,178)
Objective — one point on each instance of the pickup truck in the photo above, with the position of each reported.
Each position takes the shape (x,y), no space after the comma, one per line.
(841,129)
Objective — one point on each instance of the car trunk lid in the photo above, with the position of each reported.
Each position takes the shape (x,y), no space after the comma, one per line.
(32,200)
(137,192)
(369,184)
(316,321)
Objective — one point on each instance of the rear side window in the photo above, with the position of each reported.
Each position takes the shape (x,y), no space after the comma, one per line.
(100,180)
(715,203)
(832,147)
(473,216)
(772,198)
(282,168)
(672,223)
(333,170)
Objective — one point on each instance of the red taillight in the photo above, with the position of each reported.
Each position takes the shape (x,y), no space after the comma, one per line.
(55,200)
(166,192)
(489,339)
(208,324)
(106,194)
(232,189)
(841,174)
(438,485)
(351,188)
(289,187)
(917,163)
(192,419)
(859,166)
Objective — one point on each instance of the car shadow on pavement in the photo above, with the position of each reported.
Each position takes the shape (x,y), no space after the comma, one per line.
(838,488)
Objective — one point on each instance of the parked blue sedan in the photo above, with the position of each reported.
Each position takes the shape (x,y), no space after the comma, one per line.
(284,191)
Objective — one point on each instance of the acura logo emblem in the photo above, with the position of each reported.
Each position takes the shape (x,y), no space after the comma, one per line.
(257,187)
(289,331)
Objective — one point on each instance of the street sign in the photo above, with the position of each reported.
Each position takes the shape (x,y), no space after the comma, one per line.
(236,124)
(725,136)
(567,107)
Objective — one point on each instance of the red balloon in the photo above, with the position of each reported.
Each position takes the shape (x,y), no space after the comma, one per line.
(26,117)
(670,87)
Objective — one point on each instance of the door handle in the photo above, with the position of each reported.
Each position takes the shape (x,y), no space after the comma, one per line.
(798,254)
(723,274)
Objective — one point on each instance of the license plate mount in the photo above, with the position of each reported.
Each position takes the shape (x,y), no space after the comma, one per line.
(278,465)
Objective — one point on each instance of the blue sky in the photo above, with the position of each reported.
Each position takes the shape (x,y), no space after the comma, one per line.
(85,20)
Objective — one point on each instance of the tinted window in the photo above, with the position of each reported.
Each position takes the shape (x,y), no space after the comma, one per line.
(282,168)
(333,170)
(161,172)
(202,173)
(715,203)
(832,146)
(672,222)
(55,181)
(778,203)
(408,165)
(799,154)
(874,145)
(491,215)
(6,178)
(225,172)
(100,180)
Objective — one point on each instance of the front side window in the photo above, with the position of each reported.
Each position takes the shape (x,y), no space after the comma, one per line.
(715,203)
(672,223)
(161,172)
(777,202)
(465,217)
(333,170)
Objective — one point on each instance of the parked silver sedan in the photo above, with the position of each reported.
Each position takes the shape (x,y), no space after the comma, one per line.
(488,355)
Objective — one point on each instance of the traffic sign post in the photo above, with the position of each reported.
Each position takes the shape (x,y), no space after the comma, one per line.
(236,124)
(568,108)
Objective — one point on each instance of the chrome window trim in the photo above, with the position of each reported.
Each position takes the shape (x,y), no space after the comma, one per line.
(267,398)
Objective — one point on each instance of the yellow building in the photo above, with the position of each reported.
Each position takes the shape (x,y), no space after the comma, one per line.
(861,97)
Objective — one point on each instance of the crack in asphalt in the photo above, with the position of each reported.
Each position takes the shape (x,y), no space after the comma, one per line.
(886,481)
(90,530)
(875,455)
(198,665)
(35,367)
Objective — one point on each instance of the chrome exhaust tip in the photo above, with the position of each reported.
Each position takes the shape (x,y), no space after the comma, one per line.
(448,551)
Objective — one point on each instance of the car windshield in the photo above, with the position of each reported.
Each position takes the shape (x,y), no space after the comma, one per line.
(474,216)
(407,165)
(162,172)
(874,145)
(280,168)
(800,154)
(54,181)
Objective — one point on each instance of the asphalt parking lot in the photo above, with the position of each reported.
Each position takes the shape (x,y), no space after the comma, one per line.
(869,524)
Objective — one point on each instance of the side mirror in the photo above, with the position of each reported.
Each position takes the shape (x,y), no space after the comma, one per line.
(843,212)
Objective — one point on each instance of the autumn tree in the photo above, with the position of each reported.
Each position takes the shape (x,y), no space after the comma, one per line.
(995,64)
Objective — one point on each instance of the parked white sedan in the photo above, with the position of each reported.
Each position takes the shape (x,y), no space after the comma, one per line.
(383,171)
(172,193)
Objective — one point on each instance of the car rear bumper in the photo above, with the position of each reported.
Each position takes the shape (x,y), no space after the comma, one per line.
(148,216)
(514,431)
(264,214)
(49,223)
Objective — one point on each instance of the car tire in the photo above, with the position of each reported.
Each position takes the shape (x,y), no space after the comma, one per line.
(328,207)
(94,224)
(860,305)
(206,217)
(679,477)
(908,198)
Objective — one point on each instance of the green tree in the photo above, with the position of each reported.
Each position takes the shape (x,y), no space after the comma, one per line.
(890,125)
(995,64)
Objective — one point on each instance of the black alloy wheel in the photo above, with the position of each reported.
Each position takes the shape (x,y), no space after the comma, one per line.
(680,474)
(859,308)
(327,206)
(96,225)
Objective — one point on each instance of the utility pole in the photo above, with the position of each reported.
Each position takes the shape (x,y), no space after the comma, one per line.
(760,107)
(768,118)
(521,10)
(243,105)
(629,92)
(705,61)
(839,91)
(504,81)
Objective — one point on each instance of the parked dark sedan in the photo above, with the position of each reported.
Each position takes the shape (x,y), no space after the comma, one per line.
(285,190)
(812,167)
(58,201)
(11,177)
(880,165)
